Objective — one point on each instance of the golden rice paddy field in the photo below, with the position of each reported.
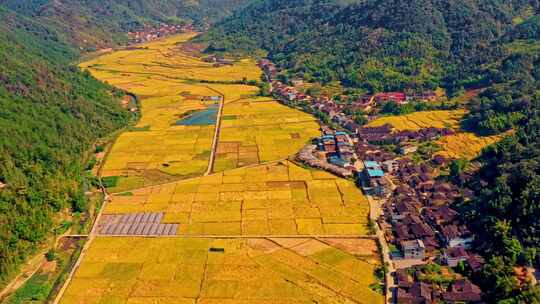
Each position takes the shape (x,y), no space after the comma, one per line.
(225,271)
(465,145)
(279,199)
(292,234)
(420,120)
(168,84)
(259,130)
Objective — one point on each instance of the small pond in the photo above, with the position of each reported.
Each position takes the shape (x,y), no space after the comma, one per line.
(200,118)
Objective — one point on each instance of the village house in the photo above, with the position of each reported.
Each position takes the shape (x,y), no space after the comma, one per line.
(411,290)
(364,103)
(413,249)
(439,216)
(454,255)
(426,96)
(306,155)
(390,166)
(418,293)
(463,291)
(338,161)
(373,169)
(408,149)
(328,144)
(376,135)
(397,97)
(475,262)
(454,236)
(401,208)
(268,68)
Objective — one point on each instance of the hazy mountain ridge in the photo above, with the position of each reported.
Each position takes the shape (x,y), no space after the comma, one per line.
(98,23)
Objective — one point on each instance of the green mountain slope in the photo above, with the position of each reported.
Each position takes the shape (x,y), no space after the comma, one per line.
(98,23)
(50,115)
(372,44)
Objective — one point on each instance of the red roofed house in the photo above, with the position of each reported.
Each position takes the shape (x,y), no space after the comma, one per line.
(398,97)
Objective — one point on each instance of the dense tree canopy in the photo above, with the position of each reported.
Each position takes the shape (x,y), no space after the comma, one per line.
(106,22)
(376,45)
(50,115)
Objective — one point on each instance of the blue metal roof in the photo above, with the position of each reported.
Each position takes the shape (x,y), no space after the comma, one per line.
(338,161)
(375,173)
(371,164)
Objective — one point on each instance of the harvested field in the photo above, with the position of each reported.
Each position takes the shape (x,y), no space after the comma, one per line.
(421,120)
(465,145)
(276,199)
(177,270)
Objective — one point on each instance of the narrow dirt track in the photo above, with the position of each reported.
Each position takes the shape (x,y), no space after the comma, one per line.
(217,129)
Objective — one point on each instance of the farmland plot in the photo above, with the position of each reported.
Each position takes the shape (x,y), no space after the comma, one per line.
(202,270)
(421,120)
(276,199)
(465,145)
(260,130)
(160,148)
(260,229)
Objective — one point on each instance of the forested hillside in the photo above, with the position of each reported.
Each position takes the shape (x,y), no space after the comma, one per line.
(374,45)
(50,115)
(98,23)
(506,211)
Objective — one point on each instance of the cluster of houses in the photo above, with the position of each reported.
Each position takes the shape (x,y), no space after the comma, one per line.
(337,148)
(310,155)
(418,210)
(421,224)
(417,219)
(411,290)
(269,69)
(373,179)
(149,33)
(333,152)
(386,134)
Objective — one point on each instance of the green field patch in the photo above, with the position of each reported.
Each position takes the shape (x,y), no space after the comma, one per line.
(202,156)
(110,181)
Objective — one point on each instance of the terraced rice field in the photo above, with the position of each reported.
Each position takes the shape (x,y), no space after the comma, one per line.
(465,145)
(260,229)
(421,120)
(202,270)
(280,199)
(259,130)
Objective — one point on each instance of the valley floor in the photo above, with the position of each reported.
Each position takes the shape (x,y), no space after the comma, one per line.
(205,205)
